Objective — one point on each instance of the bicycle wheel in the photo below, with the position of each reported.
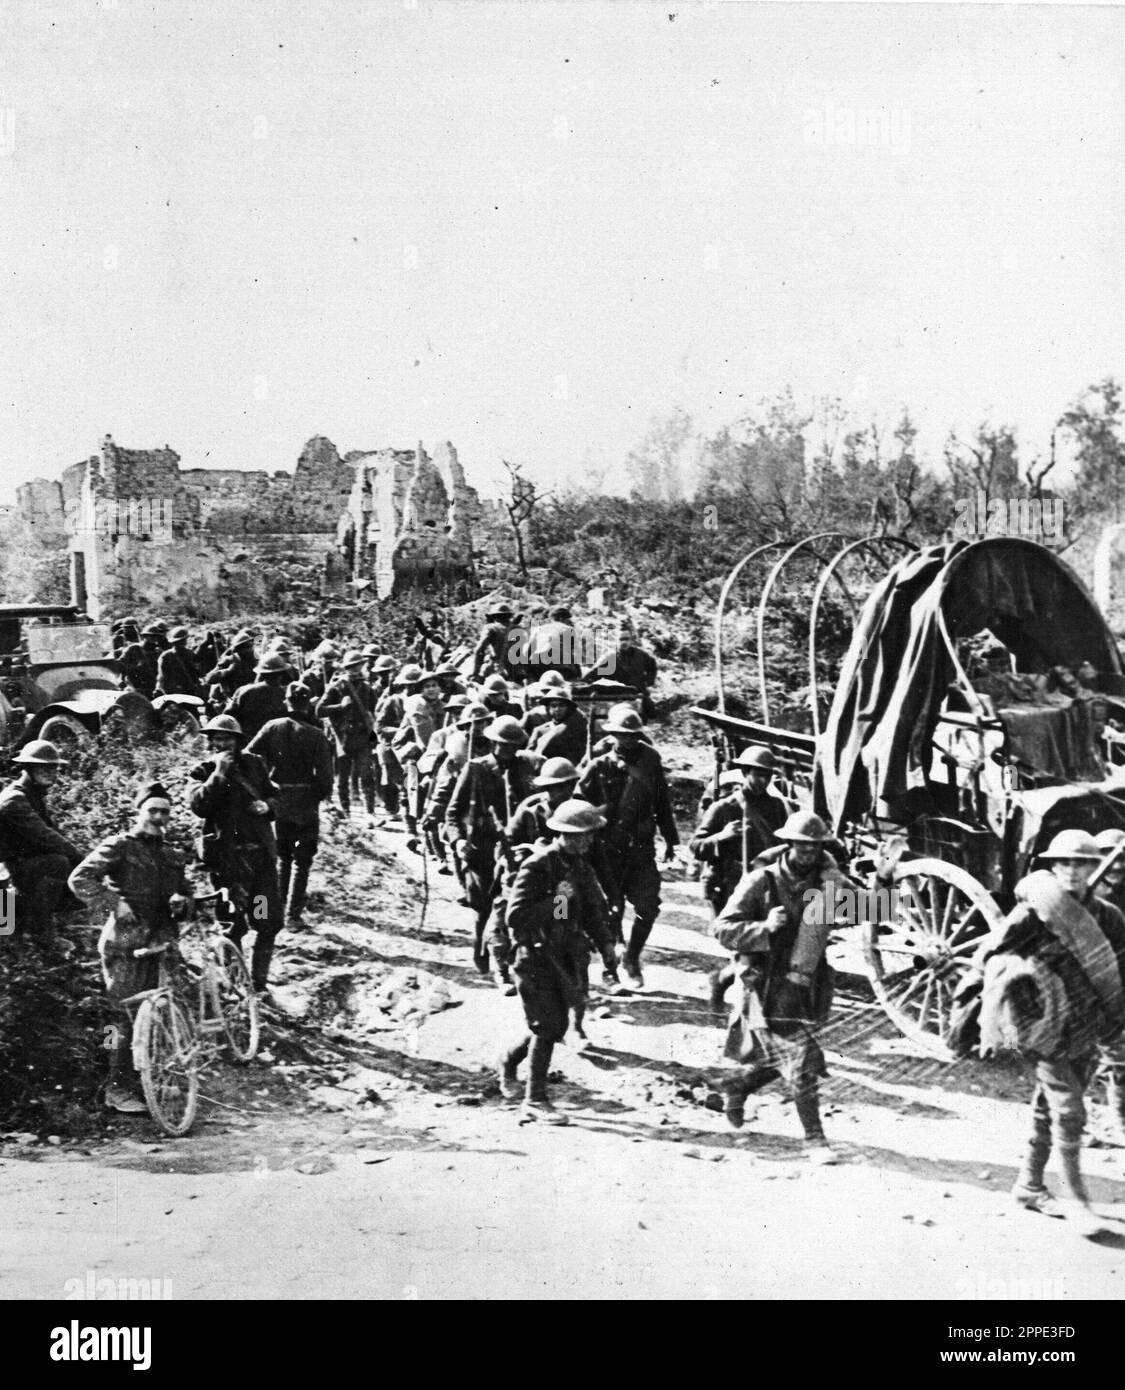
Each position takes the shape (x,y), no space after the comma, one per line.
(166,1057)
(238,1003)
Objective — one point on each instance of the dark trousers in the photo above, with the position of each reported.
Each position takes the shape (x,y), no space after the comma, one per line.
(40,883)
(355,764)
(255,906)
(634,878)
(296,849)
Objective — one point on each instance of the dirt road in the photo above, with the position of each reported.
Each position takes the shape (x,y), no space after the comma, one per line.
(368,1154)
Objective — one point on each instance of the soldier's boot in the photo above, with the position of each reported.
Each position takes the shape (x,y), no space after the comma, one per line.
(537,1104)
(631,960)
(1075,1204)
(480,950)
(389,793)
(807,1103)
(507,1066)
(260,962)
(720,981)
(1029,1189)
(298,892)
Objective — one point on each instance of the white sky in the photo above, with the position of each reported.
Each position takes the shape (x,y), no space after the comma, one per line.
(528,227)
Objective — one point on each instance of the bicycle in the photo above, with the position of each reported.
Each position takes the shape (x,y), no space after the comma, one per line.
(170,1046)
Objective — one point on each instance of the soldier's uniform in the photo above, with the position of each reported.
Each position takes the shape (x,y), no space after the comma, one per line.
(421,718)
(39,857)
(483,800)
(146,871)
(299,760)
(733,832)
(552,954)
(234,669)
(255,705)
(563,739)
(349,707)
(140,666)
(491,650)
(176,672)
(632,789)
(786,981)
(240,849)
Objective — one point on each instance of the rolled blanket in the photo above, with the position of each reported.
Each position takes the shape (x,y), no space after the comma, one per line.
(1069,921)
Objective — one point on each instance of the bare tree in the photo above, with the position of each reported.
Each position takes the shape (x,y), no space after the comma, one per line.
(523,497)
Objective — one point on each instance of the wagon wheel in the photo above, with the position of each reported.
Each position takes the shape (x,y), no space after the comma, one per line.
(917,959)
(65,732)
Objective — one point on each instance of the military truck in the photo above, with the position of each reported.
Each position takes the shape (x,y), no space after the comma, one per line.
(59,678)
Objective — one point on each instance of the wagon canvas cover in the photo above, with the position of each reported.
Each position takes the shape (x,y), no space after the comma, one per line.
(877,742)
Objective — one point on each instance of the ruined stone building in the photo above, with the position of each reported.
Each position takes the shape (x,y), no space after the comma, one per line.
(141,530)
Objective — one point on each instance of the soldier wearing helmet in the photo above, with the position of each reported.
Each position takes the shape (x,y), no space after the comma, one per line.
(464,741)
(555,911)
(39,857)
(491,650)
(140,662)
(423,711)
(321,668)
(256,704)
(736,828)
(555,782)
(628,783)
(234,669)
(348,705)
(237,802)
(486,795)
(496,694)
(774,922)
(565,734)
(539,696)
(140,881)
(176,672)
(1053,990)
(299,760)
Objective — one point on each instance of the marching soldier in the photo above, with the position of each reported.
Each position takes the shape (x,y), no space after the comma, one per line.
(253,706)
(487,793)
(540,695)
(422,715)
(738,827)
(234,669)
(322,667)
(555,782)
(555,910)
(237,801)
(775,922)
(566,734)
(491,650)
(176,671)
(142,882)
(140,662)
(466,742)
(39,857)
(628,784)
(495,694)
(349,706)
(298,758)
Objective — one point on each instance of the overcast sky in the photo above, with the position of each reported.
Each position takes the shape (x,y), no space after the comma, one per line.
(229,226)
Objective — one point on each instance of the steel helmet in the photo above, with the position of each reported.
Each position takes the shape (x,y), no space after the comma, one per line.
(474,713)
(560,692)
(272,665)
(502,612)
(40,753)
(384,663)
(576,817)
(506,730)
(222,724)
(178,634)
(408,676)
(325,648)
(1109,839)
(241,638)
(1072,844)
(152,630)
(352,658)
(455,702)
(370,651)
(623,719)
(554,772)
(803,828)
(756,756)
(548,681)
(495,685)
(297,695)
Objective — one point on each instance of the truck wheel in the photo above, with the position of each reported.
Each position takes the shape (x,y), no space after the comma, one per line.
(64,732)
